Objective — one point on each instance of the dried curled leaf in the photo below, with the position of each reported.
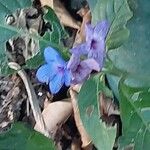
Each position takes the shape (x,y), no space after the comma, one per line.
(49,3)
(55,114)
(86,141)
(64,16)
(86,18)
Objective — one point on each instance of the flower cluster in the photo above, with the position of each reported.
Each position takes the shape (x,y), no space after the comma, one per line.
(93,50)
(85,58)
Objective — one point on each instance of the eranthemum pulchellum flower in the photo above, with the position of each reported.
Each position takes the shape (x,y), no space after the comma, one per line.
(54,72)
(80,69)
(95,41)
(93,48)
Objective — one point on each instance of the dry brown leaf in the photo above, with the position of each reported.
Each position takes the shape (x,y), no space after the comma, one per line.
(61,12)
(55,114)
(86,15)
(64,16)
(76,144)
(49,3)
(86,141)
(10,89)
(107,107)
(77,87)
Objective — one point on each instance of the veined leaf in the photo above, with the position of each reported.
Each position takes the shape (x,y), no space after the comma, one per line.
(92,4)
(57,28)
(135,114)
(20,137)
(90,114)
(133,56)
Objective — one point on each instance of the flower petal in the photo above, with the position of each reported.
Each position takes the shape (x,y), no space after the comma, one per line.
(76,78)
(79,50)
(67,77)
(50,54)
(45,73)
(86,70)
(73,62)
(92,64)
(89,30)
(56,83)
(99,53)
(101,30)
(81,74)
(60,61)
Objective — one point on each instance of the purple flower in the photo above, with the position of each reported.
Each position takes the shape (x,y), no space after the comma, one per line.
(93,49)
(95,41)
(80,50)
(54,72)
(80,70)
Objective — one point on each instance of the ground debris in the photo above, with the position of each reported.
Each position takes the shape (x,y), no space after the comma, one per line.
(11,99)
(20,49)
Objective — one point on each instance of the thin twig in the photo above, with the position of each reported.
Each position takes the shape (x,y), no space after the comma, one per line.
(28,108)
(32,97)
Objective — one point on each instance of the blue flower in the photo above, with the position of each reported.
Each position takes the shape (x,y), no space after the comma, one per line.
(54,72)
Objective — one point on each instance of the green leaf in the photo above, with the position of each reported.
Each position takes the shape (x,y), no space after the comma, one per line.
(117,12)
(92,4)
(133,56)
(103,136)
(20,137)
(76,4)
(7,31)
(51,38)
(135,115)
(58,33)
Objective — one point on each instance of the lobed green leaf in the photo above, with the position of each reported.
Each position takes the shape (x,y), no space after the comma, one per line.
(103,136)
(135,115)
